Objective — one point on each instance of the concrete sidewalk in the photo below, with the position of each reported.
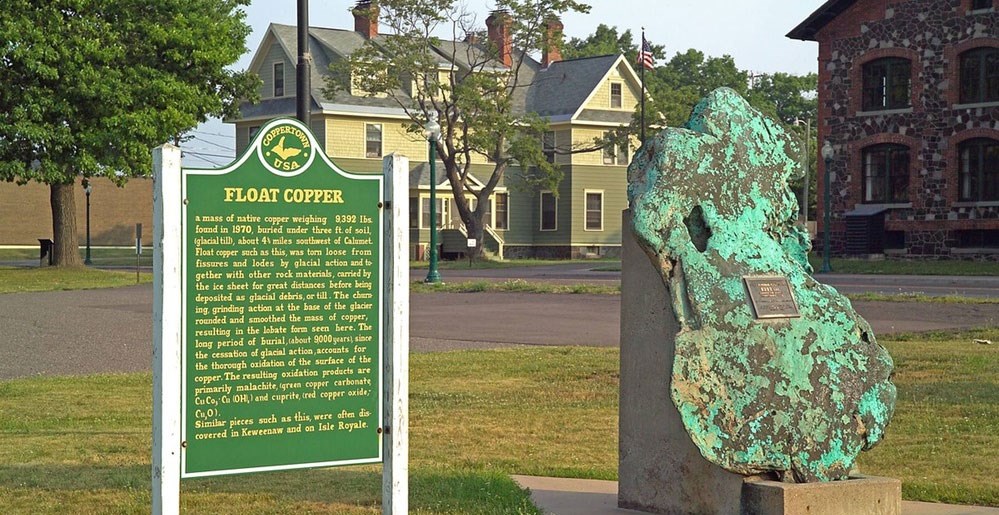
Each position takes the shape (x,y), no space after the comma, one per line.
(558,496)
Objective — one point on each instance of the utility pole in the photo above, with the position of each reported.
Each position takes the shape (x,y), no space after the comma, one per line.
(303,91)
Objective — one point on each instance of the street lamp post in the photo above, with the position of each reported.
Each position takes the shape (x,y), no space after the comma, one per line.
(433,132)
(827,156)
(88,188)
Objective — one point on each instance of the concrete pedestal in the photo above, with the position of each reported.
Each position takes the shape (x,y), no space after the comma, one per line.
(861,495)
(660,469)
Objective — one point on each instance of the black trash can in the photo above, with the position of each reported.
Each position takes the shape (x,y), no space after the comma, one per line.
(45,249)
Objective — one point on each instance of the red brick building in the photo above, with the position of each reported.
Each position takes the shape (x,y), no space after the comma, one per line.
(909,102)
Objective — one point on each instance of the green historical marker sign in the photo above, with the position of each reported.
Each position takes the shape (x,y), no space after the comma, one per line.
(282,311)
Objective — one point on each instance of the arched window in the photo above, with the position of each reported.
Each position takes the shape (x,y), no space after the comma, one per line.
(979,173)
(886,173)
(980,75)
(887,84)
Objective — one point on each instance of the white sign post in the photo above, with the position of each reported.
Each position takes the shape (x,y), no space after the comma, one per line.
(167,264)
(395,442)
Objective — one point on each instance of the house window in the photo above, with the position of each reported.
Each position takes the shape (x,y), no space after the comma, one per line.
(594,211)
(373,140)
(886,173)
(254,130)
(980,75)
(616,99)
(502,213)
(279,79)
(549,211)
(979,172)
(548,146)
(615,154)
(977,5)
(441,215)
(414,213)
(887,84)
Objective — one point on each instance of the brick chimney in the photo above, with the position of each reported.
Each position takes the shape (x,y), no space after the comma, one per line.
(498,24)
(366,18)
(553,41)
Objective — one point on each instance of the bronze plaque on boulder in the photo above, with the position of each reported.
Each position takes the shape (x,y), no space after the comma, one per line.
(771,297)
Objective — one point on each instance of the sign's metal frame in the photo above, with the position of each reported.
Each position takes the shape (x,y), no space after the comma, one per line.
(169,307)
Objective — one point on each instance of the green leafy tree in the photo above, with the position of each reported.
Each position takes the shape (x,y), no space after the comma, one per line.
(474,99)
(677,84)
(604,41)
(90,86)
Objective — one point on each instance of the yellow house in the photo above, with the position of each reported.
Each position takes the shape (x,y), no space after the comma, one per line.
(581,99)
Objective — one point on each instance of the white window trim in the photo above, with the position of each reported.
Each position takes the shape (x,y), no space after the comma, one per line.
(585,210)
(381,143)
(284,82)
(541,211)
(444,212)
(507,220)
(621,85)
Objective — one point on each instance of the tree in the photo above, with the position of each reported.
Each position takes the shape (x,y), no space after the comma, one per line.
(462,85)
(90,86)
(604,41)
(677,84)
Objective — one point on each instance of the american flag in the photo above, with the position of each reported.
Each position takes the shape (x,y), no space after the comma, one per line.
(645,57)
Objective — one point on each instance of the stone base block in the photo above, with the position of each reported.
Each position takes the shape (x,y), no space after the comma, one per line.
(859,495)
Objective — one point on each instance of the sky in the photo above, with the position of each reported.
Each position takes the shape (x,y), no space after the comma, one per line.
(751,31)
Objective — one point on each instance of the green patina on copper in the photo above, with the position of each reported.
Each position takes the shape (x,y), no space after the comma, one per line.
(800,396)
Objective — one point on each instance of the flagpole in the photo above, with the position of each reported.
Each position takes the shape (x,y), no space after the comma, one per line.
(642,66)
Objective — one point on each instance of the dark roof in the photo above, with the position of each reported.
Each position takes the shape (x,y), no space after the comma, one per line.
(807,29)
(564,86)
(556,91)
(419,175)
(600,115)
(270,108)
(327,46)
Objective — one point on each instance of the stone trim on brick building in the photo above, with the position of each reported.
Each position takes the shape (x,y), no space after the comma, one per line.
(932,35)
(856,94)
(952,55)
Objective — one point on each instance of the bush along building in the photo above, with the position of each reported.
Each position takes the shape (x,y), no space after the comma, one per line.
(581,100)
(909,103)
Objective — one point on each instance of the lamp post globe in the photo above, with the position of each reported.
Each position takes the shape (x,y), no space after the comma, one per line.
(87,189)
(432,130)
(827,156)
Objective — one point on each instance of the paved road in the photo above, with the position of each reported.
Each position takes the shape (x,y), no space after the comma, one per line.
(576,272)
(92,331)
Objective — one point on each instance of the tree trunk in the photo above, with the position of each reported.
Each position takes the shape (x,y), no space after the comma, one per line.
(66,251)
(475,229)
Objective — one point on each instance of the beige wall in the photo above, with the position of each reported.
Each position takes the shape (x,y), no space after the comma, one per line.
(26,215)
(629,93)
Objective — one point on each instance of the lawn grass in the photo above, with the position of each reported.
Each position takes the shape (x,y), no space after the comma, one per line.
(906,266)
(475,417)
(922,298)
(515,285)
(100,256)
(484,263)
(522,286)
(883,267)
(14,280)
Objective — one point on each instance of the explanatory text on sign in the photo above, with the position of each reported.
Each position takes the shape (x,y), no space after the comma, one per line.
(282,315)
